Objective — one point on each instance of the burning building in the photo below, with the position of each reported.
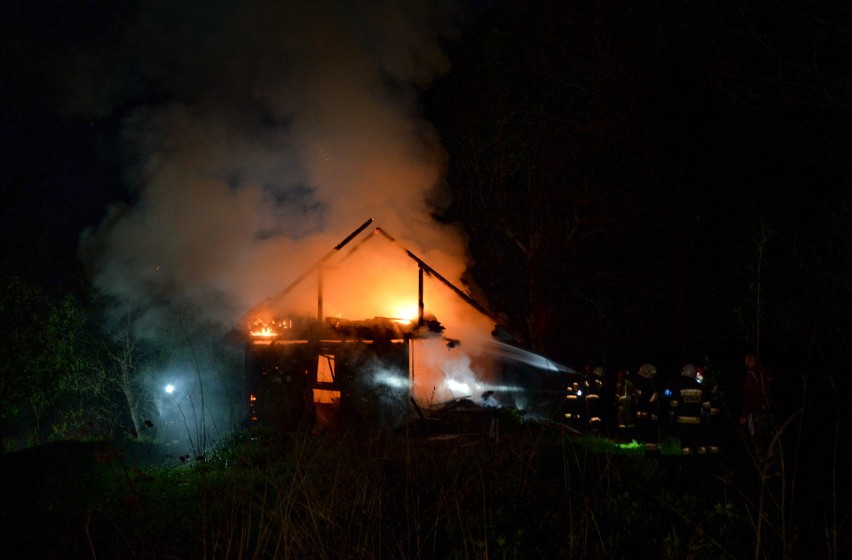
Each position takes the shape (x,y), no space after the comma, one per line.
(304,366)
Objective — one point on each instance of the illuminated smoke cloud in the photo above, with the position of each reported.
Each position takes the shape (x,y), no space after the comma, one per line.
(268,131)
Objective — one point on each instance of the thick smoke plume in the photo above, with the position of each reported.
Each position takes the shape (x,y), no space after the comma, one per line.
(272,129)
(259,134)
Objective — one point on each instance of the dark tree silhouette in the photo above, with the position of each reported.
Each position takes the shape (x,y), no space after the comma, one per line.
(616,166)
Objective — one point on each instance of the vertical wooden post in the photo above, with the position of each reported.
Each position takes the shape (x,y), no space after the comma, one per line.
(319,293)
(419,296)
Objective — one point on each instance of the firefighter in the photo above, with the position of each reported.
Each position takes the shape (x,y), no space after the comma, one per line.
(594,399)
(647,408)
(574,403)
(711,414)
(687,404)
(607,399)
(625,402)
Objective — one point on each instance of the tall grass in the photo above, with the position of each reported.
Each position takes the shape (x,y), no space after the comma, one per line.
(356,492)
(357,495)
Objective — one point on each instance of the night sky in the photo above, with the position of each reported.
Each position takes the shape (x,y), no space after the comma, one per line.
(60,167)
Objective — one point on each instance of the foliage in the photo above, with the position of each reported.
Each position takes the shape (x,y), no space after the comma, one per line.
(60,373)
(41,353)
(538,493)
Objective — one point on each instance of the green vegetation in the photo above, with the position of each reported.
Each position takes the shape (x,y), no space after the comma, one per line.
(60,373)
(537,492)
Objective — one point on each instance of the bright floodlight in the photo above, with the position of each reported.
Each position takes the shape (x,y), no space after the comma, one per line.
(170,388)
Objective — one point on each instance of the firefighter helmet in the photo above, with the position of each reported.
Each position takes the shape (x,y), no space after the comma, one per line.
(647,371)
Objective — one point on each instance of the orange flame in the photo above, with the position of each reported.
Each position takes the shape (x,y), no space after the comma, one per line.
(262,328)
(265,331)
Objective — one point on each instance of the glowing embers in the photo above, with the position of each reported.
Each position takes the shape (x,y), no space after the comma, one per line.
(262,329)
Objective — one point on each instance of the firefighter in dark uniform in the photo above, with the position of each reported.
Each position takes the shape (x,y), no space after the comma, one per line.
(625,402)
(687,404)
(574,403)
(711,414)
(594,399)
(647,408)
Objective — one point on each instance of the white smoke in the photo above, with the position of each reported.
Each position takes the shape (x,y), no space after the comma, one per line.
(271,131)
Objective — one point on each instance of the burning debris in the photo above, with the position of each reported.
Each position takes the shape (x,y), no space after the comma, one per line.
(271,329)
